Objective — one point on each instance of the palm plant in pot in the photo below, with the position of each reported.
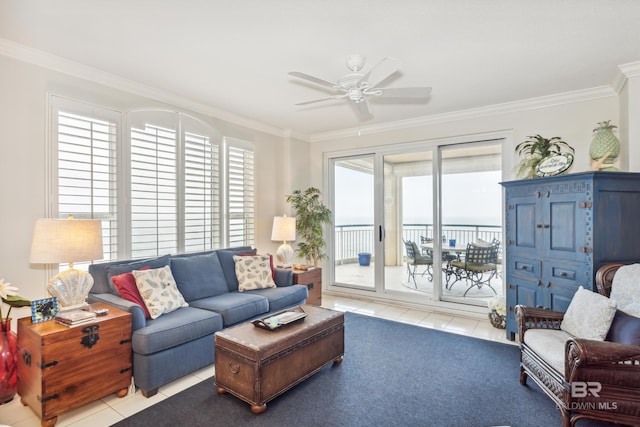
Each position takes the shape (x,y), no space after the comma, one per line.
(536,149)
(311,216)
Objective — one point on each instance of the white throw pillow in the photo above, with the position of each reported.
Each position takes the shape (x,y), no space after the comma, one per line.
(253,272)
(625,289)
(589,315)
(159,291)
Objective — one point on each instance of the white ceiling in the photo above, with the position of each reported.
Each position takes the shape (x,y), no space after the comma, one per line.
(234,55)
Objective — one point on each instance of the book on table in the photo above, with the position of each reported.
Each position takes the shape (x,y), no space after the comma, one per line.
(75,317)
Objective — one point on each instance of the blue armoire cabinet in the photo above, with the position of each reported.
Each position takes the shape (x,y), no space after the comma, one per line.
(560,230)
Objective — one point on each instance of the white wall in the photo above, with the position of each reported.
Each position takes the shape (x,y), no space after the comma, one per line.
(574,122)
(23,114)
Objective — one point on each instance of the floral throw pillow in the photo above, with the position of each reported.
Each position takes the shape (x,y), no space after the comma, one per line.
(589,315)
(159,291)
(253,272)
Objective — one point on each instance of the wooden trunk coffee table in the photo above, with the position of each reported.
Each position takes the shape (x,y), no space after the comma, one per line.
(256,365)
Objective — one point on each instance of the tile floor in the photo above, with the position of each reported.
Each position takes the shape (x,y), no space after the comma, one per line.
(111,409)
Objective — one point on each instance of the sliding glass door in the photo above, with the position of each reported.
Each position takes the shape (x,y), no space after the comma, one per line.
(354,213)
(471,200)
(397,210)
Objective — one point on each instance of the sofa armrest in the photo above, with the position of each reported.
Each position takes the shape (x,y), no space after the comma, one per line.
(137,315)
(284,277)
(603,361)
(536,318)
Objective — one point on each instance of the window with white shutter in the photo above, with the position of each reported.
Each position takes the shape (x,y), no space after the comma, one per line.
(201,193)
(85,158)
(170,186)
(154,198)
(240,193)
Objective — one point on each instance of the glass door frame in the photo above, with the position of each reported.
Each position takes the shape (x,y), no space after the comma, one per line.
(378,292)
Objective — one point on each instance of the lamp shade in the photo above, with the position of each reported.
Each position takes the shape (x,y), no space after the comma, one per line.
(284,229)
(58,241)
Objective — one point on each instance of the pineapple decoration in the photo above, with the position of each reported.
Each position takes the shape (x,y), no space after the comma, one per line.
(605,147)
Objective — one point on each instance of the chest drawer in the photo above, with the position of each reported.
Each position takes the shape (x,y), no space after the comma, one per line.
(62,368)
(524,267)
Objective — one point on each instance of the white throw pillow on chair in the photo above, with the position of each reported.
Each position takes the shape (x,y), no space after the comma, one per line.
(589,315)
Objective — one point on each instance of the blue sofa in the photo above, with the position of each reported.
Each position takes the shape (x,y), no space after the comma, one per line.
(181,341)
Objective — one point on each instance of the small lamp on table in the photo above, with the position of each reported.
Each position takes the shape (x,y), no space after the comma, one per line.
(57,241)
(284,230)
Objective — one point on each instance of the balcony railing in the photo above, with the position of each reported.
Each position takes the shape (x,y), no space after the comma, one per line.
(356,238)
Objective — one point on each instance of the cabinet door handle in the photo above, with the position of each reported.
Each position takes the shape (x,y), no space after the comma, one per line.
(538,225)
(546,226)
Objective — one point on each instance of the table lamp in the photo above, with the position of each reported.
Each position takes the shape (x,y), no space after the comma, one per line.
(284,230)
(57,241)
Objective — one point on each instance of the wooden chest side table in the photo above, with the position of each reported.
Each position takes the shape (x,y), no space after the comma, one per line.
(312,279)
(61,368)
(257,365)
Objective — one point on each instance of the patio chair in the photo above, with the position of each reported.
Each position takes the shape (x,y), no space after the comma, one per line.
(415,259)
(478,267)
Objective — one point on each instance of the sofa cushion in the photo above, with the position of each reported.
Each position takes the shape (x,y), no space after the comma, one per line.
(548,344)
(625,289)
(126,286)
(253,272)
(234,307)
(175,328)
(199,276)
(589,315)
(229,266)
(159,290)
(118,269)
(624,329)
(282,297)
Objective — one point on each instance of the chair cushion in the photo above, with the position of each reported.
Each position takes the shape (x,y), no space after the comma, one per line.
(624,329)
(589,315)
(127,288)
(234,307)
(159,290)
(253,272)
(199,276)
(548,344)
(625,289)
(175,328)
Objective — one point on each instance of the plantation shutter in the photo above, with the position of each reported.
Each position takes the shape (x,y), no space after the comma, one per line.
(154,210)
(201,193)
(85,148)
(240,193)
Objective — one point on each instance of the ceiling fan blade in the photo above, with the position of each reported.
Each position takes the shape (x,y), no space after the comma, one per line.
(322,99)
(363,107)
(380,72)
(403,92)
(316,80)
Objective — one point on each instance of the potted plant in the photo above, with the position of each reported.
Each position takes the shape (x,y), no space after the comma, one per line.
(311,216)
(536,149)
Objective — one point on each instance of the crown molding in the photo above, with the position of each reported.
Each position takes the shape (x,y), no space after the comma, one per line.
(473,113)
(623,73)
(65,66)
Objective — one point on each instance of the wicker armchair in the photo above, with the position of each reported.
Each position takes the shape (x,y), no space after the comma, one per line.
(601,379)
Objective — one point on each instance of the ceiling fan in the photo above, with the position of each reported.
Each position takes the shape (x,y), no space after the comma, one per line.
(357,86)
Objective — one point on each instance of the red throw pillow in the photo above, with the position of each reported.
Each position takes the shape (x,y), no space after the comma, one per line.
(126,286)
(273,270)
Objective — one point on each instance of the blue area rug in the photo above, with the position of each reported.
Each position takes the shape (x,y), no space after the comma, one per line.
(393,374)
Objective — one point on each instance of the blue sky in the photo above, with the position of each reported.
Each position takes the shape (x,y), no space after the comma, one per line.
(468,198)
